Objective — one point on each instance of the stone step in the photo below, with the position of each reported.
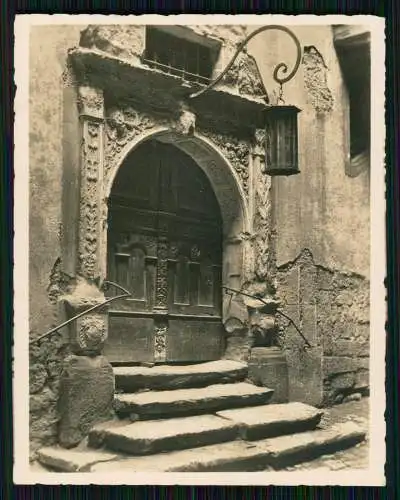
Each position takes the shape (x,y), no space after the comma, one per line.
(155,436)
(162,404)
(165,377)
(273,419)
(236,456)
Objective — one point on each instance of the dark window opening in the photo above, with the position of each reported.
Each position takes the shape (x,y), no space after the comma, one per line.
(179,56)
(353,49)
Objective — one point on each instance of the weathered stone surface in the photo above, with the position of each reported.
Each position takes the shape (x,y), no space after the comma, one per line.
(287,450)
(236,456)
(189,401)
(342,381)
(131,379)
(277,452)
(305,373)
(336,364)
(346,348)
(362,379)
(273,420)
(268,368)
(87,391)
(238,348)
(64,460)
(154,436)
(352,397)
(37,377)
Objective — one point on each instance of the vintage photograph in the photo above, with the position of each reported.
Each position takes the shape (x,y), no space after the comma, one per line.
(200,247)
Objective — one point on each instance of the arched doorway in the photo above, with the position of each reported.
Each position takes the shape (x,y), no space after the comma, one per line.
(165,246)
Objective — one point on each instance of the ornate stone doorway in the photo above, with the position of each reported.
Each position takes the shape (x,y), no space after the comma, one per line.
(165,246)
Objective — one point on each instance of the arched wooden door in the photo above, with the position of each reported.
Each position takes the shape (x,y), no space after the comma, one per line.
(165,246)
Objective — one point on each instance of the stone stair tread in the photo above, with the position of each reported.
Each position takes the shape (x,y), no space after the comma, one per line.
(273,419)
(133,378)
(274,453)
(205,399)
(72,460)
(153,436)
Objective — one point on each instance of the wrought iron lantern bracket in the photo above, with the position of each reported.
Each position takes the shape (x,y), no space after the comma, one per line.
(280,69)
(281,144)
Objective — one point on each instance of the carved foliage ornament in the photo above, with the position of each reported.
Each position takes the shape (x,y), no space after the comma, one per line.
(263,208)
(90,102)
(160,341)
(237,152)
(89,198)
(162,275)
(122,126)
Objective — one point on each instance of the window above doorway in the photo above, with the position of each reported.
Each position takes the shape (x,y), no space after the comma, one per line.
(179,51)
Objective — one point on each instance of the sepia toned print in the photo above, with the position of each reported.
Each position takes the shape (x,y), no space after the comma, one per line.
(201,296)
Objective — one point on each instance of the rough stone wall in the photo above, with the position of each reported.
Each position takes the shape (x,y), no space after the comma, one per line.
(48,52)
(331,308)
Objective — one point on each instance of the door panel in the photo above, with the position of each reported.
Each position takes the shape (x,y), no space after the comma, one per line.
(165,247)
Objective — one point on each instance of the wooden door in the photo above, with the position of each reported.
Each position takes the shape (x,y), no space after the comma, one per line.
(164,245)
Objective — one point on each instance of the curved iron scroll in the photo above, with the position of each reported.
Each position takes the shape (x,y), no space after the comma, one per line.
(227,290)
(281,67)
(90,309)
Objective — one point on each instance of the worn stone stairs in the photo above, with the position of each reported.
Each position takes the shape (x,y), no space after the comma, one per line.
(203,417)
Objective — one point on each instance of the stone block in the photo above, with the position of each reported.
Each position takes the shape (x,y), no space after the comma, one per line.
(304,365)
(342,381)
(345,348)
(337,364)
(362,379)
(87,392)
(238,348)
(268,368)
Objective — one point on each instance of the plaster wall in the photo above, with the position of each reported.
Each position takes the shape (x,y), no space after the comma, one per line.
(48,53)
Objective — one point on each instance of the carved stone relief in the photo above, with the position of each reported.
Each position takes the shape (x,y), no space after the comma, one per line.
(162,275)
(236,151)
(122,126)
(89,210)
(160,342)
(90,102)
(245,76)
(263,206)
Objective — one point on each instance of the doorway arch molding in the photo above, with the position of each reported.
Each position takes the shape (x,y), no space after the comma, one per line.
(238,258)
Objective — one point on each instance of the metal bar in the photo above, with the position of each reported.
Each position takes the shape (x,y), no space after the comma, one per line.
(277,310)
(97,306)
(174,69)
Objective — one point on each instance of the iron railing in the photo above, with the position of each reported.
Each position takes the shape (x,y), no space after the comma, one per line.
(231,291)
(87,311)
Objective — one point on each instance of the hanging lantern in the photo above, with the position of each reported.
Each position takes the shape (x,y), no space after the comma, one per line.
(281,144)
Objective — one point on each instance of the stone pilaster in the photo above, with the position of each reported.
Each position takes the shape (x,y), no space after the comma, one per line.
(91,111)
